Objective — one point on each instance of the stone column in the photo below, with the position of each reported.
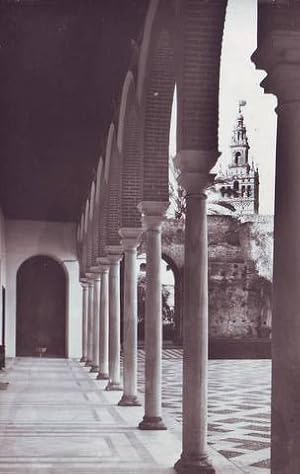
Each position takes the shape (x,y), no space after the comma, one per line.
(96,317)
(84,319)
(279,54)
(104,320)
(194,177)
(90,320)
(130,239)
(114,320)
(153,213)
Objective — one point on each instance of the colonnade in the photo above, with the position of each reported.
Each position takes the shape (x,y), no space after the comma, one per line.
(197,52)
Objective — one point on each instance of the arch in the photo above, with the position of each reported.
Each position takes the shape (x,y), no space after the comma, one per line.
(86,216)
(41,307)
(108,151)
(102,211)
(92,201)
(114,167)
(127,92)
(236,185)
(98,181)
(156,81)
(130,148)
(237,157)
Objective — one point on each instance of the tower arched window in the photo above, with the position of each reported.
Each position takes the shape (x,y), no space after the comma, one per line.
(236,185)
(237,157)
(248,191)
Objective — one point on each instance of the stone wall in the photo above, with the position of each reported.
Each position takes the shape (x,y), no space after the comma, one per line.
(240,269)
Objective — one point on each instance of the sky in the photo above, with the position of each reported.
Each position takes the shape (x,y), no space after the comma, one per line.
(239,80)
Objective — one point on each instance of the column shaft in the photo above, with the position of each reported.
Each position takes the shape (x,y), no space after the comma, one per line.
(84,321)
(195,340)
(96,317)
(90,323)
(129,397)
(153,332)
(104,322)
(285,322)
(114,324)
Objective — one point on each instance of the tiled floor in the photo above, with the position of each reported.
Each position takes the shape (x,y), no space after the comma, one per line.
(56,419)
(238,407)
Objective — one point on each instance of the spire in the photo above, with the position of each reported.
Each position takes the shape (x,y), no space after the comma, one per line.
(239,137)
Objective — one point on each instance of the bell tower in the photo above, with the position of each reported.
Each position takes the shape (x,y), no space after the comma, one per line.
(239,186)
(239,143)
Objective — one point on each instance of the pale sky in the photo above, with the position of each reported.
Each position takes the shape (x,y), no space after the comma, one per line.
(240,80)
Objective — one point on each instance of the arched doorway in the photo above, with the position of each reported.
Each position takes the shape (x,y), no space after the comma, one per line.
(41,308)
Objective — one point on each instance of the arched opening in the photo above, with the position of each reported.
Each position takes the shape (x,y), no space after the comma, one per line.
(237,158)
(171,298)
(41,308)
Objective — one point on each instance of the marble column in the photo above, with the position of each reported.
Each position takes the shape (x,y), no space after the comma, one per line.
(130,239)
(194,458)
(104,320)
(84,319)
(114,321)
(153,213)
(96,317)
(90,320)
(279,55)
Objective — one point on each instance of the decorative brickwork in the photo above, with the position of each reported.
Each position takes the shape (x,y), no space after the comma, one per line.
(158,76)
(113,218)
(201,28)
(130,148)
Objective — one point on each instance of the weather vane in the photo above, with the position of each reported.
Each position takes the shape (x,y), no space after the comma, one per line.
(242,103)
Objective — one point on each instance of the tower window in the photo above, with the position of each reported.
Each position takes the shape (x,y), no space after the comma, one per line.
(237,157)
(236,185)
(223,191)
(248,191)
(243,191)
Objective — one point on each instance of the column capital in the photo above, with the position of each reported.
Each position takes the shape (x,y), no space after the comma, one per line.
(153,213)
(103,264)
(84,283)
(279,55)
(194,167)
(92,276)
(130,237)
(95,270)
(114,253)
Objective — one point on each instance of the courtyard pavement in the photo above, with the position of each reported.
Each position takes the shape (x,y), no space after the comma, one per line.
(55,418)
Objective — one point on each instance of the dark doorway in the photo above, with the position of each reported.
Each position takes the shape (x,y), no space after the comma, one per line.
(41,308)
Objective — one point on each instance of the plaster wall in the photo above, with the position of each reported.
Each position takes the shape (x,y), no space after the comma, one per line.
(58,240)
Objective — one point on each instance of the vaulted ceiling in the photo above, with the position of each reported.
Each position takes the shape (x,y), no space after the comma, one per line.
(62,65)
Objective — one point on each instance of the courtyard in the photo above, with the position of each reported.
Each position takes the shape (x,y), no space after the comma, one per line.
(56,418)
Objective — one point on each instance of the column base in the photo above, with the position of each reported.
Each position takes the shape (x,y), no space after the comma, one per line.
(83,359)
(88,363)
(112,386)
(94,368)
(129,401)
(194,465)
(152,423)
(102,376)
